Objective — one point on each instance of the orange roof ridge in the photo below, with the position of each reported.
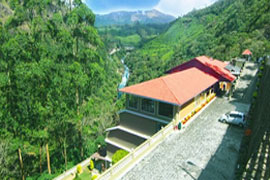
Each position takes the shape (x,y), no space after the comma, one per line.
(163,79)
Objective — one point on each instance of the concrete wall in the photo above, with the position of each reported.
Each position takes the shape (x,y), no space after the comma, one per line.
(125,139)
(140,124)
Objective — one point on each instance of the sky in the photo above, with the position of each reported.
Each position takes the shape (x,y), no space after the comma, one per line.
(172,7)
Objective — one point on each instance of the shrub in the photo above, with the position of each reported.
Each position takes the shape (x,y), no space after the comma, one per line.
(79,169)
(260,75)
(261,68)
(118,155)
(92,165)
(100,140)
(255,94)
(77,177)
(94,177)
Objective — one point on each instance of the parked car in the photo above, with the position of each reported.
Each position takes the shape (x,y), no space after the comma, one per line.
(234,117)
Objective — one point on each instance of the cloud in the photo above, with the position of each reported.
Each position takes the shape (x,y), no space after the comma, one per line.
(181,7)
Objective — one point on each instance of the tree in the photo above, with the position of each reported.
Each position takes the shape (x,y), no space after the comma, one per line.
(52,69)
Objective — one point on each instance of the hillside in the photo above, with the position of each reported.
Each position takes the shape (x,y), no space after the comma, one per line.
(222,30)
(133,35)
(125,17)
(57,87)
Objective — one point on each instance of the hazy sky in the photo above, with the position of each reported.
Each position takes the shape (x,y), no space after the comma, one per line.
(173,7)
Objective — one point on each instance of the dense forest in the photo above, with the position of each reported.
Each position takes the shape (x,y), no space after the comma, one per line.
(57,87)
(222,30)
(132,35)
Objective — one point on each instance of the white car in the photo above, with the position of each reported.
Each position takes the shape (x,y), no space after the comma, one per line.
(234,117)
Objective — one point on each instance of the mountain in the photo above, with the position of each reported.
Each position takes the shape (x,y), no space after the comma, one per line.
(124,17)
(222,30)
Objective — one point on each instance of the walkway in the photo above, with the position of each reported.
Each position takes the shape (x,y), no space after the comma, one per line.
(245,87)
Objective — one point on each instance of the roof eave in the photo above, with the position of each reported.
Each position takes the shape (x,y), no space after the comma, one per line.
(151,98)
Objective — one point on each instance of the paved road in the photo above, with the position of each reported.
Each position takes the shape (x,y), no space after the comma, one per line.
(205,144)
(245,87)
(206,149)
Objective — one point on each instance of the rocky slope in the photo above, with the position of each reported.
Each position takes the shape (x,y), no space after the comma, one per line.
(124,17)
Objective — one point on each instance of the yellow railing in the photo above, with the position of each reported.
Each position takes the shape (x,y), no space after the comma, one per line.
(198,109)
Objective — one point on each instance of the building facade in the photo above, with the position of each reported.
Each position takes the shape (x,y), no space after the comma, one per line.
(177,96)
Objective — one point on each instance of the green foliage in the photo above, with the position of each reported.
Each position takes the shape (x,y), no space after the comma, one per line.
(77,177)
(79,169)
(131,40)
(255,94)
(94,177)
(222,31)
(134,35)
(118,155)
(100,140)
(92,165)
(57,86)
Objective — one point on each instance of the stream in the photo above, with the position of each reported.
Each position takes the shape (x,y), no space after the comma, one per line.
(125,77)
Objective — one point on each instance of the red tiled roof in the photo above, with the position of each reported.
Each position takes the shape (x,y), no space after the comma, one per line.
(176,88)
(247,52)
(212,61)
(217,67)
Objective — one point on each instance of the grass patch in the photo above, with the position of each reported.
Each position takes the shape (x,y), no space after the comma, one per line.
(130,40)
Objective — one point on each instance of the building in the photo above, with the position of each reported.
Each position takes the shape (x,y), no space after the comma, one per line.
(247,53)
(235,70)
(173,97)
(238,62)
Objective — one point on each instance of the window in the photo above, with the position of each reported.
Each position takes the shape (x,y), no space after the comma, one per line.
(165,109)
(133,101)
(235,116)
(148,105)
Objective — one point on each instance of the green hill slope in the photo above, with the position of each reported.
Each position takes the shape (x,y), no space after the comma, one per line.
(222,30)
(57,87)
(133,35)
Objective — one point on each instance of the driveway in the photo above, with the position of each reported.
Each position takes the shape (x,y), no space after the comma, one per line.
(206,149)
(247,83)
